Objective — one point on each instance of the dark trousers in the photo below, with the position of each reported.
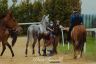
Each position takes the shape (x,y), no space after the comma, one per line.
(69,33)
(14,36)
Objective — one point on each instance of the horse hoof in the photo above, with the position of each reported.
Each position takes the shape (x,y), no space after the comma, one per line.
(39,54)
(75,57)
(54,53)
(50,54)
(33,53)
(44,55)
(12,55)
(26,56)
(1,54)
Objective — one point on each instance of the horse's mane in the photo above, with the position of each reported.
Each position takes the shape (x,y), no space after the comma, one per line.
(9,12)
(2,16)
(1,19)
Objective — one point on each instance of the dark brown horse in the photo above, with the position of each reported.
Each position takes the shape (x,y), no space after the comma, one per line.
(8,22)
(78,36)
(57,30)
(53,39)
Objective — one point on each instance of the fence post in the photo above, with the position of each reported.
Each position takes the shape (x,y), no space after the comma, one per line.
(68,45)
(85,47)
(62,37)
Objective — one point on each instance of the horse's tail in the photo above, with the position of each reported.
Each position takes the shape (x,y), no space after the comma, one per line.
(29,35)
(84,34)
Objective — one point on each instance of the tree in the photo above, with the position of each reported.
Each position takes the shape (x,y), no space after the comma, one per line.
(14,2)
(28,12)
(36,14)
(3,7)
(23,12)
(60,9)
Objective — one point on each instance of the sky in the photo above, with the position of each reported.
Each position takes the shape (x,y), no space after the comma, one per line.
(87,7)
(18,1)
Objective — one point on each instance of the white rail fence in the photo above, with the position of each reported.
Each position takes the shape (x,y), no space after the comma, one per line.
(28,23)
(62,29)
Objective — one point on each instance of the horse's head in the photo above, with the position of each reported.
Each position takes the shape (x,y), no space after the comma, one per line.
(45,20)
(10,22)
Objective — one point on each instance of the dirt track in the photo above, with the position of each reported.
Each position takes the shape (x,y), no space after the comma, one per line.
(19,50)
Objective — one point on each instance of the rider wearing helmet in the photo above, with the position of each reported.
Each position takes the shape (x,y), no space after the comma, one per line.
(75,19)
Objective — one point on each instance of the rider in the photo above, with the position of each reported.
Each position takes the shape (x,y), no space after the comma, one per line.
(13,33)
(51,35)
(50,28)
(75,19)
(53,29)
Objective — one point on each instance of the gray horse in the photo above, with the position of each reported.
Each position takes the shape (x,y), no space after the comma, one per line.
(36,33)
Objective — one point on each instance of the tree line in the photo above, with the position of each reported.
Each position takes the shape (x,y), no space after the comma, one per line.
(27,11)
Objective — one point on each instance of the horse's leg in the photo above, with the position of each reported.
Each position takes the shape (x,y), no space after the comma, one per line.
(78,49)
(81,53)
(26,51)
(74,47)
(33,45)
(9,46)
(74,52)
(39,46)
(82,48)
(4,41)
(55,44)
(29,37)
(44,50)
(4,47)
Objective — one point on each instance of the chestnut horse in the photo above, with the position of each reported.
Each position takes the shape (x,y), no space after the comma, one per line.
(8,22)
(78,36)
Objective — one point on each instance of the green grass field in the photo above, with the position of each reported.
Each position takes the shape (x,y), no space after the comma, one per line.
(90,49)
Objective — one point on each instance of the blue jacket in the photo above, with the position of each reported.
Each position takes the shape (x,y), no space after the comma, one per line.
(73,19)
